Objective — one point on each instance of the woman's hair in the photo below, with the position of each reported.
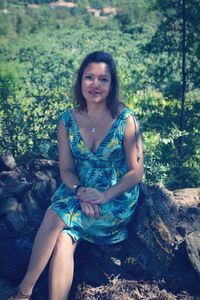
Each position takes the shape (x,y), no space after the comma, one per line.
(113,96)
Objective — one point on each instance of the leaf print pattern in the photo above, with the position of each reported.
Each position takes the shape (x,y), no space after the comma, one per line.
(99,169)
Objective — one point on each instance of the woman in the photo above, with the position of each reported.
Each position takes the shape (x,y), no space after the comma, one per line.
(101,163)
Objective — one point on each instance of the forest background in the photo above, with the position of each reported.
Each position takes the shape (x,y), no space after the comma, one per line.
(156,45)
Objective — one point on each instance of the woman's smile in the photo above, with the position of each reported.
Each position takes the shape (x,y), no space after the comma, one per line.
(94,93)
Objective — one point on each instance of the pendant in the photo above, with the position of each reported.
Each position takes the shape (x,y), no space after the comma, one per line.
(93,129)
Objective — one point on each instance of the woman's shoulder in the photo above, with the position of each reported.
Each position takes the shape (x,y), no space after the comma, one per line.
(128,117)
(66,116)
(125,112)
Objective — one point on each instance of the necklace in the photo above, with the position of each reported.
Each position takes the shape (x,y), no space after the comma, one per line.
(94,128)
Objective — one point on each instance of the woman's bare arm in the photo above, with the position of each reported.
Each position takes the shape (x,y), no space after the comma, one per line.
(67,170)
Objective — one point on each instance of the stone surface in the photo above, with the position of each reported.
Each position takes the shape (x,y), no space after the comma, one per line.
(16,222)
(163,239)
(164,220)
(7,162)
(8,204)
(193,249)
(43,191)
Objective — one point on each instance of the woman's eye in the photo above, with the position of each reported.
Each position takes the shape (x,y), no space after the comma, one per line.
(88,77)
(104,79)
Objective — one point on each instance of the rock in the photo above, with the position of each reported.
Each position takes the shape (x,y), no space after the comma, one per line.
(40,164)
(163,220)
(153,233)
(20,190)
(144,191)
(17,222)
(8,204)
(17,253)
(44,190)
(6,287)
(40,175)
(193,249)
(16,188)
(163,234)
(33,210)
(3,230)
(50,167)
(7,162)
(187,197)
(156,233)
(8,176)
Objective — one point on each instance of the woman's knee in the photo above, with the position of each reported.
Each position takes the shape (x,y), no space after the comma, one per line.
(64,243)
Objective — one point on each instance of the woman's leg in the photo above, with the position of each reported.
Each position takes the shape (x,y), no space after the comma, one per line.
(61,267)
(42,249)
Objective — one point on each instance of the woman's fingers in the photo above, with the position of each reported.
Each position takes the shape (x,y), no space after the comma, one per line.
(89,195)
(96,210)
(90,210)
(81,191)
(87,209)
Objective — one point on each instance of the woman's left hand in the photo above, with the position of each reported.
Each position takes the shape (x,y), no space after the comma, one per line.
(92,195)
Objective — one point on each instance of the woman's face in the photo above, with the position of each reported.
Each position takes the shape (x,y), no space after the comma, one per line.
(96,82)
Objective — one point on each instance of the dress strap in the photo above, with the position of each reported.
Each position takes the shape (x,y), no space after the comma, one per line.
(137,135)
(126,113)
(65,117)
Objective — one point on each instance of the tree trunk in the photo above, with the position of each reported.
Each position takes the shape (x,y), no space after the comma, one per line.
(183,89)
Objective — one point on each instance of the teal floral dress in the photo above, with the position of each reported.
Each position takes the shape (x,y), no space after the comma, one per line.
(99,169)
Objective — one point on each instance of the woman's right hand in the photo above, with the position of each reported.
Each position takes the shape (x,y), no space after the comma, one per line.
(91,210)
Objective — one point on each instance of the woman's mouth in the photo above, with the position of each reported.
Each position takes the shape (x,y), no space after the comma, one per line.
(94,93)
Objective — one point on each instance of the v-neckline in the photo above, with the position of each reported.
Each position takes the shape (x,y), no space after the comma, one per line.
(104,138)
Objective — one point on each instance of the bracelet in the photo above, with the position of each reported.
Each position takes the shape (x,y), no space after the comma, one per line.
(76,187)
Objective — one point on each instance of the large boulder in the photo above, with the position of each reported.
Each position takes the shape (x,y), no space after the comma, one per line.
(163,241)
(193,249)
(164,221)
(7,162)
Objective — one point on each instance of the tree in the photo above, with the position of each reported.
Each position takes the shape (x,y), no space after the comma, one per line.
(175,68)
(177,42)
(183,89)
(3,4)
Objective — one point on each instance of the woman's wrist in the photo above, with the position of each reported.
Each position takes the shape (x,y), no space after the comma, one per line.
(106,195)
(76,187)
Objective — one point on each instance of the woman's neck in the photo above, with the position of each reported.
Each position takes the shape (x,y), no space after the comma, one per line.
(97,110)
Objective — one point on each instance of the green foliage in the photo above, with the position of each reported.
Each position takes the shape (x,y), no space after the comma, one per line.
(9,106)
(159,118)
(137,17)
(41,50)
(165,47)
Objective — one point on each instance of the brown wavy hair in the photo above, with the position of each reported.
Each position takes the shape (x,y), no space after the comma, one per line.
(112,101)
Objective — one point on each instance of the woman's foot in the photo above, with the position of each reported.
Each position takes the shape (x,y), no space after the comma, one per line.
(18,295)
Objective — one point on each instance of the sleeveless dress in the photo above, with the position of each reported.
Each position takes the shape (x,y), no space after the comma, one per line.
(99,169)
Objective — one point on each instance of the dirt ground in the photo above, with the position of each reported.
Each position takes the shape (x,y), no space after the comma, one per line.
(118,289)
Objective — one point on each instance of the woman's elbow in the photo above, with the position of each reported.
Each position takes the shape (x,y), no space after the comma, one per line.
(64,172)
(141,174)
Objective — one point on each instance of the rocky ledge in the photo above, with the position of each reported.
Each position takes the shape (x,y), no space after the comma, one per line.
(159,260)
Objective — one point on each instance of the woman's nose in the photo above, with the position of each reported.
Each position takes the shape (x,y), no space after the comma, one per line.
(96,82)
